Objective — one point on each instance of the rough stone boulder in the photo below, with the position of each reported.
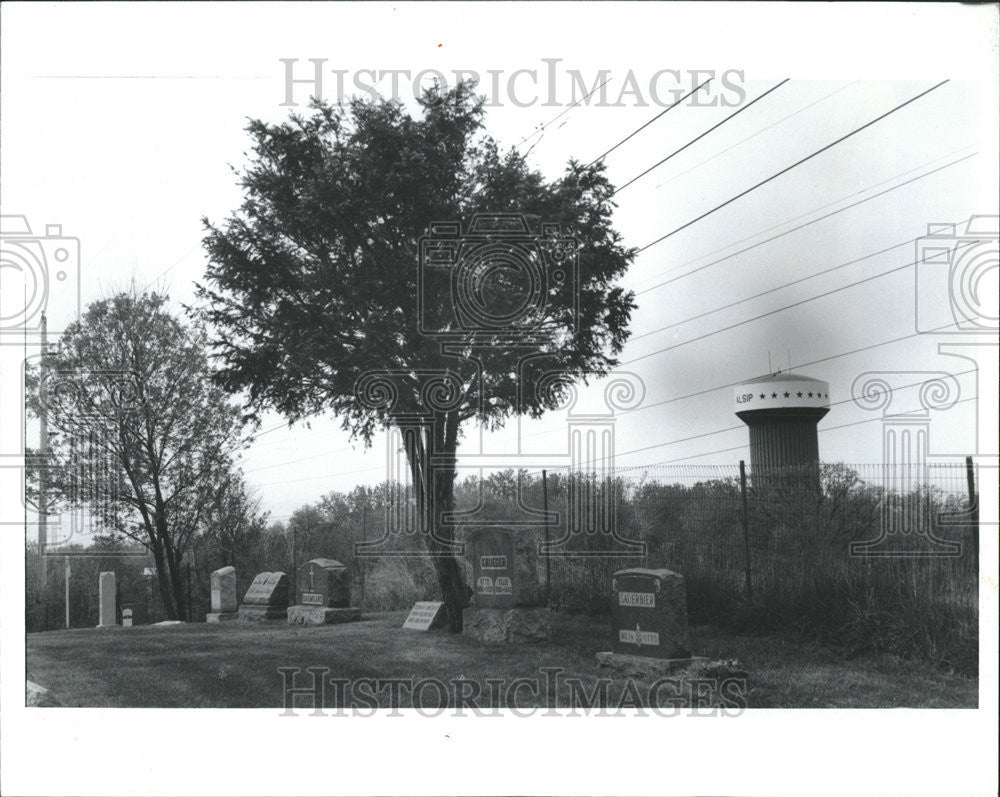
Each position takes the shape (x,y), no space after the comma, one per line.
(507,626)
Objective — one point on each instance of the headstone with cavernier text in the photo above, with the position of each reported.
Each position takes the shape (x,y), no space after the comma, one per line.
(649,614)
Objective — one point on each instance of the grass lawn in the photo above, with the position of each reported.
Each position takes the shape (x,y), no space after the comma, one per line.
(236,665)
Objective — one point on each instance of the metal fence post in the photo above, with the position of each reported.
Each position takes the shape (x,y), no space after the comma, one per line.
(970,477)
(361,559)
(548,557)
(746,528)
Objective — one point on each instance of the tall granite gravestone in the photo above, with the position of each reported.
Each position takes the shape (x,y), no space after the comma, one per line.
(649,624)
(107,608)
(223,596)
(508,578)
(267,598)
(324,594)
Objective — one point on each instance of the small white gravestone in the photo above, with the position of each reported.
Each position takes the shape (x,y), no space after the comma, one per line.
(107,604)
(423,615)
(223,595)
(127,618)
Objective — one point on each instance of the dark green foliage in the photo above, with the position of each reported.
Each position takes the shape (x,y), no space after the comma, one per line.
(313,282)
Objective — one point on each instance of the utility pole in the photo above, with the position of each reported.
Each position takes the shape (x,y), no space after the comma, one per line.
(67,573)
(746,529)
(295,567)
(43,471)
(548,558)
(970,475)
(361,559)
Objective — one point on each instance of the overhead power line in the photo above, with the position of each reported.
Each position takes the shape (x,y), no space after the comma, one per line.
(301,459)
(772,290)
(696,138)
(788,285)
(770,313)
(322,476)
(253,438)
(821,360)
(647,124)
(747,445)
(803,225)
(754,135)
(774,176)
(563,112)
(672,400)
(743,426)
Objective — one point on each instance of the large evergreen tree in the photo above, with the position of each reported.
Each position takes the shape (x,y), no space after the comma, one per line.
(325,298)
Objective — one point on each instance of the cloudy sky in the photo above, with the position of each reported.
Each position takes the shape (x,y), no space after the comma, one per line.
(121,124)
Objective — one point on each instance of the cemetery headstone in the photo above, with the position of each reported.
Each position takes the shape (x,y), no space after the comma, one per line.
(509,589)
(137,611)
(324,594)
(425,615)
(649,623)
(126,617)
(266,599)
(107,610)
(223,596)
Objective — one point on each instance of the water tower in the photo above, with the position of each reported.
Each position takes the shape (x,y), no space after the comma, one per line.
(782,411)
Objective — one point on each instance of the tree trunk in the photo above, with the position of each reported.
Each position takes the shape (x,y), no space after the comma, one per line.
(162,581)
(438,488)
(451,577)
(175,582)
